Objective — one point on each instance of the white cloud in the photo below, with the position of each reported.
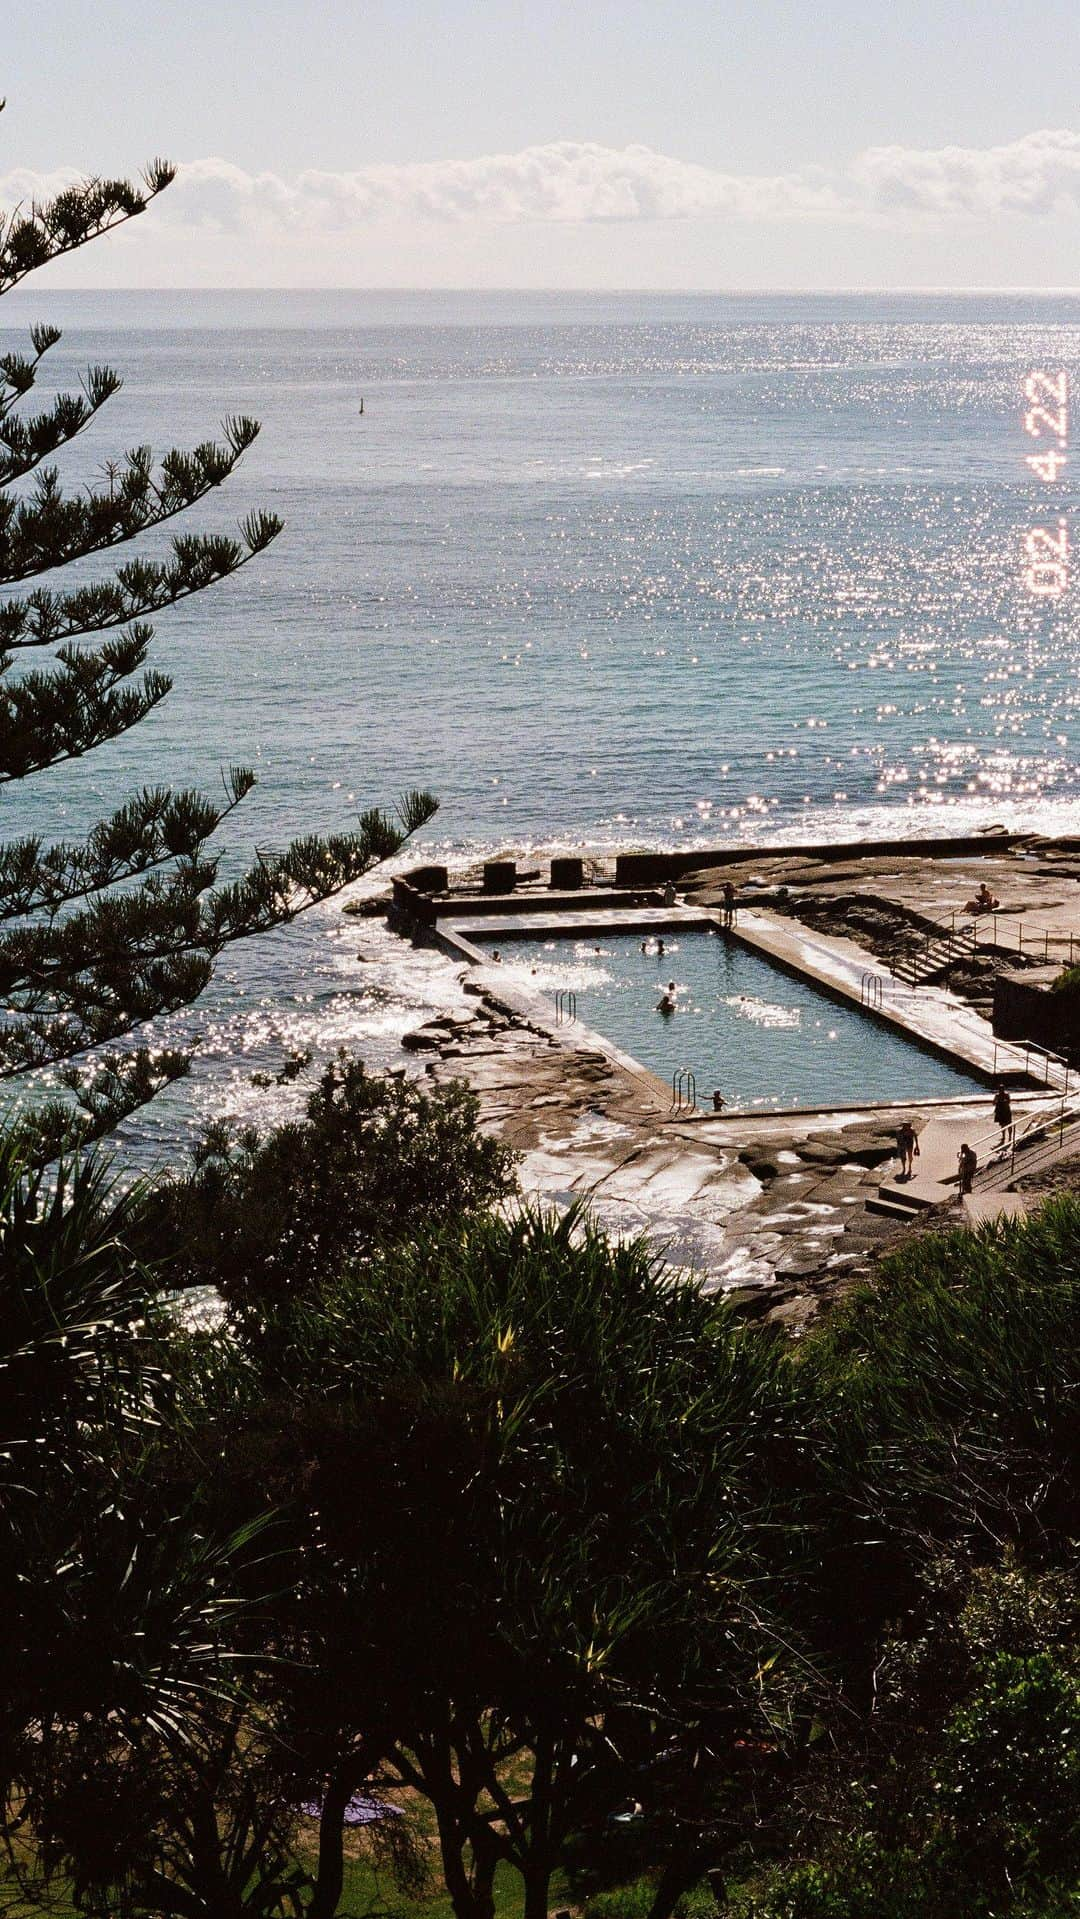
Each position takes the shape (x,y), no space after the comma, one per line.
(1036,175)
(564,182)
(575,183)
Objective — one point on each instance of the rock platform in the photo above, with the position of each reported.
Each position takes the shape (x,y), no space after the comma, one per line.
(780,1210)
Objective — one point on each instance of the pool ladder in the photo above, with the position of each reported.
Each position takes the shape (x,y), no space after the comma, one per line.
(871,991)
(565,1005)
(683,1090)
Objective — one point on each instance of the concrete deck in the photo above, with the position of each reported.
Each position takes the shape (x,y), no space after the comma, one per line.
(984,1208)
(930,1015)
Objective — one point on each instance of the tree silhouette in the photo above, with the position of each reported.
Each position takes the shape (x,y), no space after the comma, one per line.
(101,935)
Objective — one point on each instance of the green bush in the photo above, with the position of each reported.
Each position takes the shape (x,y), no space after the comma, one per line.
(1067,981)
(1011,1777)
(622,1902)
(949,1405)
(634,1901)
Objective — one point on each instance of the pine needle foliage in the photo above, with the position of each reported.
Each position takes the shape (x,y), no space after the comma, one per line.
(100,936)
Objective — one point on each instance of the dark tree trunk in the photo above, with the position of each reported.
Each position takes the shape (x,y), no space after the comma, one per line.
(683,1870)
(537,1878)
(330,1871)
(470,1897)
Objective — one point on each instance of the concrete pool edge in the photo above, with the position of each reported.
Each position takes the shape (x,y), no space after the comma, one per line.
(823,961)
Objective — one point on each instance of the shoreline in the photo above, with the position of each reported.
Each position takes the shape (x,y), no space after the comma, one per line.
(785,1211)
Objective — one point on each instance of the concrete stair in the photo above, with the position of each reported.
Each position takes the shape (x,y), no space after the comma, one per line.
(891,1207)
(940,950)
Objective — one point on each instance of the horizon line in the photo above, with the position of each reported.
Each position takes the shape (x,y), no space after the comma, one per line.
(719,292)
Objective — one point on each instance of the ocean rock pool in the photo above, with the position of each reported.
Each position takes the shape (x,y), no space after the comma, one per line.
(767,1040)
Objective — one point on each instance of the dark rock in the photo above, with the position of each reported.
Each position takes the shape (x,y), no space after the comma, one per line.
(760,1165)
(821,1153)
(421,1041)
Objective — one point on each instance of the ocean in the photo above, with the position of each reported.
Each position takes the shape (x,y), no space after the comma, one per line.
(600,570)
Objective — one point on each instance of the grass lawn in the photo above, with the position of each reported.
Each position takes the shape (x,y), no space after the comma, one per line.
(368,1893)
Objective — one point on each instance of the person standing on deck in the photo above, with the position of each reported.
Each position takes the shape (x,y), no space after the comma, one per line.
(907,1145)
(1003,1114)
(967,1165)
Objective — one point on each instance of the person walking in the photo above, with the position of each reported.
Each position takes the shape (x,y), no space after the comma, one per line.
(1003,1114)
(907,1145)
(967,1164)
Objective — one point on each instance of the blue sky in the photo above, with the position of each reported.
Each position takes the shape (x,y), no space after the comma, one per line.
(456,142)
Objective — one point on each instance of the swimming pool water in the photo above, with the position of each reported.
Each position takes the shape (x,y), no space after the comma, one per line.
(764,1038)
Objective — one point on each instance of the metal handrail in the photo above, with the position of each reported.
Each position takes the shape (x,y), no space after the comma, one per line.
(1050,935)
(1046,1052)
(1036,1126)
(565,1005)
(683,1088)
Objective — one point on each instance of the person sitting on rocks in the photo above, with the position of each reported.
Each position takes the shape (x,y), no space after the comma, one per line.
(984,902)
